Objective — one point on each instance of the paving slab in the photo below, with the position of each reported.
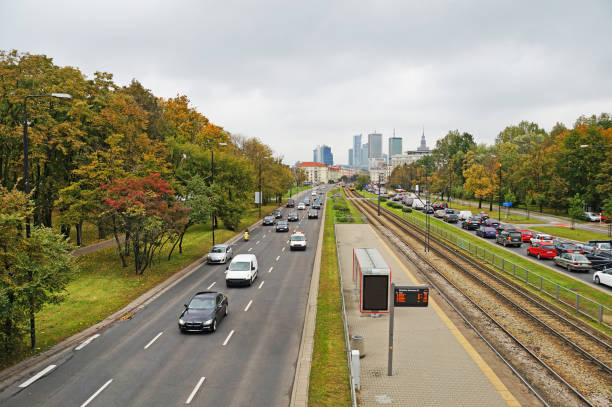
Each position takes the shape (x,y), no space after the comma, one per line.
(433,363)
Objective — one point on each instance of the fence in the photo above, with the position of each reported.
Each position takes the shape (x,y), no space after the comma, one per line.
(581,304)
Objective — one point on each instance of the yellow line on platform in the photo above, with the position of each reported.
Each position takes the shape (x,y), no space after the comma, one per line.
(482,365)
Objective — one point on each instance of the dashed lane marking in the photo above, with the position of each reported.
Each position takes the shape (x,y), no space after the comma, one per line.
(37,376)
(277,257)
(228,338)
(271,268)
(260,285)
(195,390)
(153,340)
(93,396)
(248,306)
(211,286)
(86,342)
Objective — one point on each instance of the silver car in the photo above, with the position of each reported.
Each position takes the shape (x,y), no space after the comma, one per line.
(573,262)
(220,253)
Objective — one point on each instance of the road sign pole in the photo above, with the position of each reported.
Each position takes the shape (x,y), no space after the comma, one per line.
(390,363)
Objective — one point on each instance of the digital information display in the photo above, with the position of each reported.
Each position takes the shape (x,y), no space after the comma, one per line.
(411,296)
(375,294)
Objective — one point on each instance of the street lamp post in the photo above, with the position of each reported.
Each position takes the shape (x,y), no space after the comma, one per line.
(212,182)
(379,174)
(500,197)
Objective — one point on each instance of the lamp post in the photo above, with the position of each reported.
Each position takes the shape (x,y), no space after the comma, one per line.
(212,182)
(499,189)
(26,165)
(379,181)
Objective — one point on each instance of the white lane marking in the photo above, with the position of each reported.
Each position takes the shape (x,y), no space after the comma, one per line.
(283,249)
(93,396)
(211,286)
(195,389)
(37,376)
(86,342)
(153,340)
(257,242)
(248,306)
(277,257)
(250,248)
(271,268)
(228,338)
(260,285)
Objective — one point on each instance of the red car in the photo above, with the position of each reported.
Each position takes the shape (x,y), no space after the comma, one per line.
(526,235)
(542,251)
(604,218)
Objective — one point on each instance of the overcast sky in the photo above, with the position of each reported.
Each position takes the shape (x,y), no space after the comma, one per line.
(297,74)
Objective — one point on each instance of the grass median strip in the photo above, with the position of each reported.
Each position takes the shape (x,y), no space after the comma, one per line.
(574,234)
(329,376)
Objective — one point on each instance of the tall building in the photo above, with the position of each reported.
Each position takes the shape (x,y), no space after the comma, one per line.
(375,145)
(395,146)
(357,151)
(363,163)
(315,155)
(423,146)
(325,155)
(351,159)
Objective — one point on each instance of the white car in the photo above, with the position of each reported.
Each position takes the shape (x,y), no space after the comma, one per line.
(297,241)
(301,206)
(220,253)
(242,270)
(603,277)
(542,238)
(591,217)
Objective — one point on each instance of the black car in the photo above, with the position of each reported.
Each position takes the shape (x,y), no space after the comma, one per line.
(307,202)
(600,261)
(451,218)
(268,220)
(313,214)
(509,238)
(282,226)
(472,223)
(203,312)
(316,204)
(492,223)
(293,216)
(290,203)
(277,214)
(567,247)
(502,227)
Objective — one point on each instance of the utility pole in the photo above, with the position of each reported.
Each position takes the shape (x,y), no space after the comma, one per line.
(500,197)
(260,191)
(379,174)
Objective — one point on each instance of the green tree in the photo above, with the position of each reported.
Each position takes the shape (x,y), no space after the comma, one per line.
(362,181)
(576,208)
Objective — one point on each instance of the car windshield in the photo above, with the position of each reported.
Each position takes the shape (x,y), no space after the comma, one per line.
(202,303)
(298,238)
(282,223)
(216,250)
(515,234)
(605,246)
(548,247)
(580,257)
(240,266)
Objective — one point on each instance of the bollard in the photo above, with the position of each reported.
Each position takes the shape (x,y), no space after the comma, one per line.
(355,369)
(358,343)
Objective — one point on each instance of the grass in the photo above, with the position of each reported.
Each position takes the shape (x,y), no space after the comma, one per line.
(90,233)
(103,286)
(296,190)
(574,234)
(534,209)
(510,218)
(329,376)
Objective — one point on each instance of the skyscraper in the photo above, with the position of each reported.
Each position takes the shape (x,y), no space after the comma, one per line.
(315,155)
(395,146)
(325,155)
(363,163)
(375,145)
(351,158)
(357,150)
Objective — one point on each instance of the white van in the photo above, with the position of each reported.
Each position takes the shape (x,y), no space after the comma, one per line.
(465,215)
(242,270)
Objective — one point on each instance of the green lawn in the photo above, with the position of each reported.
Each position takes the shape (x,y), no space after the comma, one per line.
(574,234)
(296,190)
(90,233)
(505,218)
(329,376)
(104,287)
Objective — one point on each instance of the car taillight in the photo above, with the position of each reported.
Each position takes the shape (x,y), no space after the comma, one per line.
(575,263)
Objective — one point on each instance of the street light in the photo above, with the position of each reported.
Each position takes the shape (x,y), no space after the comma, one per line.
(212,183)
(26,165)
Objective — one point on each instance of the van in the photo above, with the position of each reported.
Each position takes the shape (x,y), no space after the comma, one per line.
(242,270)
(465,215)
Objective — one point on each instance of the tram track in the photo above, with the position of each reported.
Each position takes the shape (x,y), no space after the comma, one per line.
(562,362)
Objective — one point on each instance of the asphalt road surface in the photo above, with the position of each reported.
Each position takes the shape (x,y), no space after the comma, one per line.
(146,361)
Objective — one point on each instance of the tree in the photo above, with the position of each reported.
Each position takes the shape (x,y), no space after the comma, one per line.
(477,182)
(362,181)
(576,208)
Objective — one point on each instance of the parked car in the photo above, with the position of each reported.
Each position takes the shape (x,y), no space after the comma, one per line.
(567,247)
(603,277)
(313,214)
(543,238)
(573,262)
(242,270)
(492,223)
(282,226)
(597,246)
(290,203)
(486,232)
(509,238)
(472,223)
(297,241)
(203,312)
(301,206)
(439,213)
(293,216)
(599,262)
(526,235)
(463,215)
(219,253)
(542,251)
(277,214)
(268,220)
(451,218)
(604,218)
(592,217)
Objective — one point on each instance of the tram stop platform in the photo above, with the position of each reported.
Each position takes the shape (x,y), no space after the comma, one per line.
(433,362)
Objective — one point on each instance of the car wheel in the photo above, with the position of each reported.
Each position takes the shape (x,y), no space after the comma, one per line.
(227,284)
(596,280)
(539,257)
(214,325)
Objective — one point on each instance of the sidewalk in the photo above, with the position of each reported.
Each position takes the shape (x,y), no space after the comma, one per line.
(433,363)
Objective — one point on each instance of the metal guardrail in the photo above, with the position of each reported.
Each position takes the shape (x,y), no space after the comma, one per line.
(581,304)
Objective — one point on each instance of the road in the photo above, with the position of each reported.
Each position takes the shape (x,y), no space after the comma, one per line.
(146,361)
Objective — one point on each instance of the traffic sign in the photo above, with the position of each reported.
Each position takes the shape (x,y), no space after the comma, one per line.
(410,296)
(507,204)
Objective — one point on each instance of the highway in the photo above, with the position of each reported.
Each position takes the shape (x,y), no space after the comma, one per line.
(146,361)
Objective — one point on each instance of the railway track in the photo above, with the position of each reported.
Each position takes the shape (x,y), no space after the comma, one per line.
(562,362)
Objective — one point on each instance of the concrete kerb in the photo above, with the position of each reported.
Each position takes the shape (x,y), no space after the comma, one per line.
(301,380)
(15,373)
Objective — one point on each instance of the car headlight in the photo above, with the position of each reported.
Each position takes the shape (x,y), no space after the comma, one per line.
(181,322)
(208,322)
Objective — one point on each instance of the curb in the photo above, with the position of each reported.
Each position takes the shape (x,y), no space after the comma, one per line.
(15,373)
(301,380)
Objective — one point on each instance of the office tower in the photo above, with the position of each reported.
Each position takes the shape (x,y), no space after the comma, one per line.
(351,161)
(325,155)
(363,163)
(357,150)
(395,146)
(375,145)
(315,155)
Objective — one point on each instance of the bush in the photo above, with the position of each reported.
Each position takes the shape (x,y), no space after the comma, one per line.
(383,199)
(406,209)
(344,219)
(340,206)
